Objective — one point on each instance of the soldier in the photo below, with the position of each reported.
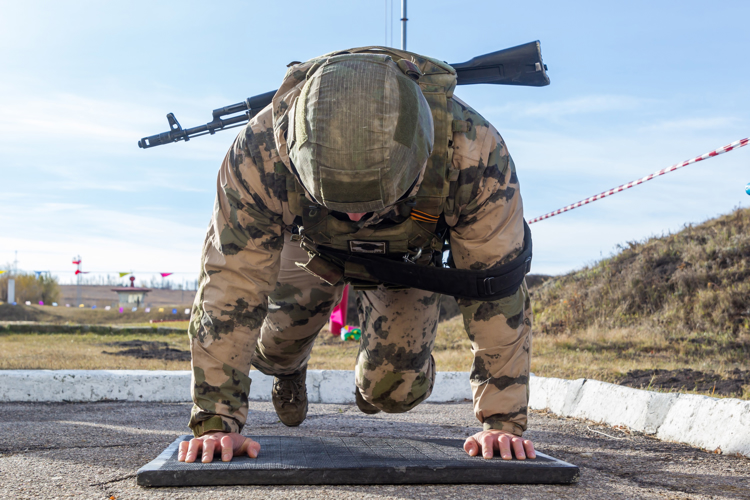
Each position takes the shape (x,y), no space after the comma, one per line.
(361,152)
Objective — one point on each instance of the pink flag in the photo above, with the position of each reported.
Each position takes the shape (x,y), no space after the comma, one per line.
(81,272)
(338,315)
(164,275)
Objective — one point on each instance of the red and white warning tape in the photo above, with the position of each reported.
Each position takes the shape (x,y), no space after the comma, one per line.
(715,152)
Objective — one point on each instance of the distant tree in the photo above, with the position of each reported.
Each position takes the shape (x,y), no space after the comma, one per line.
(30,287)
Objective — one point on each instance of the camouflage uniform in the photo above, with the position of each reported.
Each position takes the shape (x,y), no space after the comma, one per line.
(256,307)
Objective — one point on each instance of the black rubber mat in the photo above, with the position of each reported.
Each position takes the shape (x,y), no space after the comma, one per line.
(285,460)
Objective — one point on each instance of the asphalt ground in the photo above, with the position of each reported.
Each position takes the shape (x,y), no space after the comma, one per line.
(93,450)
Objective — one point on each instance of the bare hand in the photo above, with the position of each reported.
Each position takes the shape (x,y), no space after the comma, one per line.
(228,445)
(492,440)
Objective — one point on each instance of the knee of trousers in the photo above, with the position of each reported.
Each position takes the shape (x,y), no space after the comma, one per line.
(395,391)
(283,362)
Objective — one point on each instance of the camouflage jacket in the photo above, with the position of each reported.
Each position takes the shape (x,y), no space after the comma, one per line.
(240,263)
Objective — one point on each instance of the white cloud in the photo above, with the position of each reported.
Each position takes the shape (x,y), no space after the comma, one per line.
(68,116)
(67,142)
(95,128)
(694,124)
(557,110)
(46,235)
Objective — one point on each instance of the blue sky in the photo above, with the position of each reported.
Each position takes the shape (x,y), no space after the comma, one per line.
(636,86)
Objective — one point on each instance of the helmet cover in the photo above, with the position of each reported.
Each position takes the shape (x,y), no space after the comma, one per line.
(360,132)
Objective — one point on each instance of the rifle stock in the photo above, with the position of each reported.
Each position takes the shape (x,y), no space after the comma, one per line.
(520,65)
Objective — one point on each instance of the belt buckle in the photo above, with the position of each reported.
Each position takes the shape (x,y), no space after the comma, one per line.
(410,260)
(487,283)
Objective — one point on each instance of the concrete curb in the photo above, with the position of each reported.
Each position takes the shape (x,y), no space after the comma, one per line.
(701,421)
(94,385)
(323,386)
(21,327)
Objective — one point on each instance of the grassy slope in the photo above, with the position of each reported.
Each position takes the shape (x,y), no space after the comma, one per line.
(692,282)
(678,301)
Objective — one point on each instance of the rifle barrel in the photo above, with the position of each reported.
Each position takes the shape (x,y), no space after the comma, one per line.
(249,108)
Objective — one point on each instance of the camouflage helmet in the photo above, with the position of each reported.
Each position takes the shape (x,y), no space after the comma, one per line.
(360,132)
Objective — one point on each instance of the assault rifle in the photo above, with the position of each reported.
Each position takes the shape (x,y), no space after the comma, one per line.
(521,65)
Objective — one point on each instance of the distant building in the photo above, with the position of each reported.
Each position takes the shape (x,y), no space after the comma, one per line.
(131,295)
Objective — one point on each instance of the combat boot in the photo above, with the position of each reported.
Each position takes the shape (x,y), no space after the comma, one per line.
(289,397)
(363,405)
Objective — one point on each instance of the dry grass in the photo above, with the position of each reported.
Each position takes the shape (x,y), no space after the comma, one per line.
(84,351)
(608,355)
(691,282)
(593,353)
(84,316)
(180,325)
(81,351)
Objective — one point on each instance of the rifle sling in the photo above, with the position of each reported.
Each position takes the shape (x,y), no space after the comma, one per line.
(489,284)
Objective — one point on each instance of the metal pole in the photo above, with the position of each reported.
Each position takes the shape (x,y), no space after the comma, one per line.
(403,24)
(78,282)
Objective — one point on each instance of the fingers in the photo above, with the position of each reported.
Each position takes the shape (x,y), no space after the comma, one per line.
(471,447)
(517,444)
(217,443)
(508,445)
(226,449)
(488,445)
(250,447)
(193,448)
(253,448)
(529,447)
(209,445)
(503,440)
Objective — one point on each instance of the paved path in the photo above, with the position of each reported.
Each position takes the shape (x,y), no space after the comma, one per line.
(92,451)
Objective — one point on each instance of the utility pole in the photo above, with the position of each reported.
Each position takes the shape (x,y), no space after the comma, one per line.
(77,262)
(386,24)
(403,24)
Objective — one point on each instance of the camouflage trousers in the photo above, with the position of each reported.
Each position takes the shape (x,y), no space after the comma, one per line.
(395,370)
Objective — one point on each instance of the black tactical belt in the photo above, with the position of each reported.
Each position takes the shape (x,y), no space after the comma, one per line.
(490,284)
